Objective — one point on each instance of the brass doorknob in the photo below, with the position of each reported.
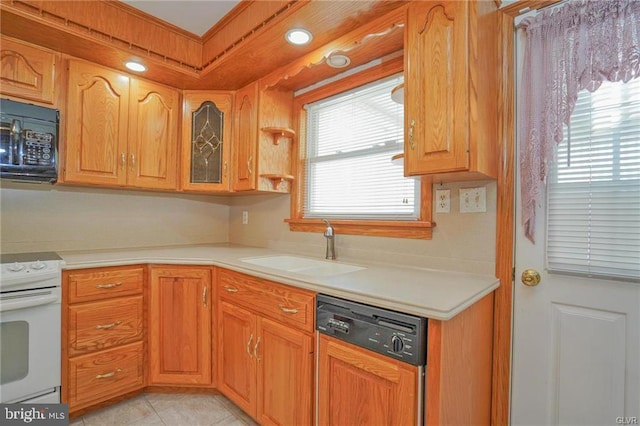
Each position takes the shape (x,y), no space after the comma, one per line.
(530,277)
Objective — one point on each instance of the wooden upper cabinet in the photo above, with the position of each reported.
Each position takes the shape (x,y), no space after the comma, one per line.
(153,136)
(245,147)
(96,131)
(27,71)
(120,131)
(451,74)
(180,315)
(206,137)
(263,139)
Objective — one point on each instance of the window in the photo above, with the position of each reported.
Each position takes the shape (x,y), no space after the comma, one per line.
(351,138)
(594,189)
(349,129)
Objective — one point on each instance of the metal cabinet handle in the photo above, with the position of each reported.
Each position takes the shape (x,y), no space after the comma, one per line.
(107,326)
(133,162)
(255,349)
(110,285)
(288,310)
(123,161)
(204,296)
(249,345)
(110,374)
(412,144)
(231,289)
(249,164)
(224,168)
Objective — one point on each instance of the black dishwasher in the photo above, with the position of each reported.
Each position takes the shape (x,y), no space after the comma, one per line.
(394,334)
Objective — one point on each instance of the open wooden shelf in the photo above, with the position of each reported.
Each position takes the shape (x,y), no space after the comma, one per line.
(279,132)
(277,179)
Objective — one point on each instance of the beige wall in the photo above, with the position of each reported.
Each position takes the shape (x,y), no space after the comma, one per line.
(59,218)
(461,241)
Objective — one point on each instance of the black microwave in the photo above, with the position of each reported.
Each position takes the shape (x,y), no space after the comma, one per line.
(28,142)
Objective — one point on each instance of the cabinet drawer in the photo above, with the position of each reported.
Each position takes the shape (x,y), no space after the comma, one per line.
(102,325)
(281,302)
(97,377)
(94,284)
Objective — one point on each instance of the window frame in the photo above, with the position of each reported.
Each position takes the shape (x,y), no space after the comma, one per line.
(417,229)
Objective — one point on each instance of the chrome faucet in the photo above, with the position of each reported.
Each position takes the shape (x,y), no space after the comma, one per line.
(329,234)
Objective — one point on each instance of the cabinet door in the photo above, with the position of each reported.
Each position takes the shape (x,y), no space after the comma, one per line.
(246,139)
(356,386)
(26,71)
(180,326)
(436,88)
(285,375)
(206,137)
(153,136)
(97,116)
(236,365)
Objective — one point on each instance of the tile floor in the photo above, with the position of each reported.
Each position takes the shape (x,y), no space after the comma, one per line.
(168,409)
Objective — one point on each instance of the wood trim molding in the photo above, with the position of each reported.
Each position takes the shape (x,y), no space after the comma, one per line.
(419,229)
(514,9)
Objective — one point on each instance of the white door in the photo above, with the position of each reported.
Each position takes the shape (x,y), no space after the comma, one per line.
(576,355)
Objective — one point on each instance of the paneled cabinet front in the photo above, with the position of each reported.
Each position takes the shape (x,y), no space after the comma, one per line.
(120,131)
(180,315)
(206,137)
(27,71)
(451,90)
(265,362)
(103,336)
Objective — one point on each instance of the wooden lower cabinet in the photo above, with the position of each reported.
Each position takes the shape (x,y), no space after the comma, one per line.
(180,315)
(264,366)
(103,352)
(359,387)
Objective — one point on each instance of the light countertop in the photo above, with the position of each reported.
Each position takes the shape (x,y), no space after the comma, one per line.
(424,292)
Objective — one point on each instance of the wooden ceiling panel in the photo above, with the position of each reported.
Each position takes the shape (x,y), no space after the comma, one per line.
(175,57)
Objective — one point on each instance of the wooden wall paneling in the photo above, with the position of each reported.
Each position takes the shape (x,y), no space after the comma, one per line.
(127,24)
(80,42)
(240,21)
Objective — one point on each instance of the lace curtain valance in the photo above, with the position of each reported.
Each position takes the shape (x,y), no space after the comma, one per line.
(569,48)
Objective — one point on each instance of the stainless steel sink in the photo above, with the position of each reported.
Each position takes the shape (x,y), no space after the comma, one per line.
(302,265)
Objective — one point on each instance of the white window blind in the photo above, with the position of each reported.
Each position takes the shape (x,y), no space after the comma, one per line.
(351,138)
(594,190)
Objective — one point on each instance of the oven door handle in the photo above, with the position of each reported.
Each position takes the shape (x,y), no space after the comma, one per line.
(27,302)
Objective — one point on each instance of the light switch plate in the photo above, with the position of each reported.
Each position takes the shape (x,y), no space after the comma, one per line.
(473,200)
(443,200)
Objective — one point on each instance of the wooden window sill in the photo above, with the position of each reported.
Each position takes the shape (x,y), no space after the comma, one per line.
(380,228)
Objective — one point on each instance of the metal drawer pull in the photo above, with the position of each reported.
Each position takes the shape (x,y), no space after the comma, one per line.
(255,349)
(231,289)
(107,375)
(288,310)
(204,296)
(123,160)
(110,285)
(249,164)
(107,326)
(249,345)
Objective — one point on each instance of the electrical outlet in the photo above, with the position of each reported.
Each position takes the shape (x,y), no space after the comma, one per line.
(245,217)
(443,200)
(473,200)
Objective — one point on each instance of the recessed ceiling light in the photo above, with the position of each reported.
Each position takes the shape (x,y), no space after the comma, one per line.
(338,61)
(298,36)
(135,66)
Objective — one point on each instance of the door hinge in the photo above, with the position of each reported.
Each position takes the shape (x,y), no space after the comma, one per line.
(513,274)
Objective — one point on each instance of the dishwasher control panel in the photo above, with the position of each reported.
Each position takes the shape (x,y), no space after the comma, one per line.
(394,334)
